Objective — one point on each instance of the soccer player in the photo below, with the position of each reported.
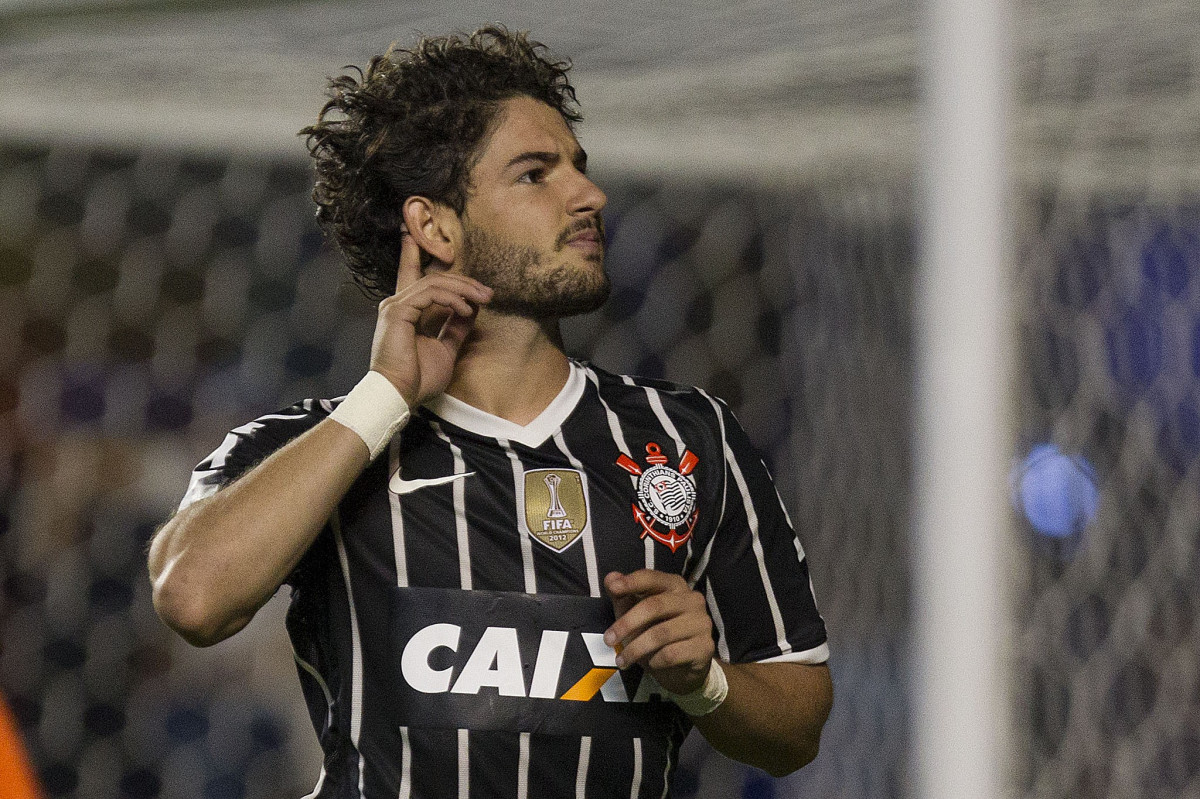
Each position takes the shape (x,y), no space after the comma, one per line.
(513,574)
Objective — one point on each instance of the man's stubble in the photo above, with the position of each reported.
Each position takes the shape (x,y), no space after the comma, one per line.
(522,283)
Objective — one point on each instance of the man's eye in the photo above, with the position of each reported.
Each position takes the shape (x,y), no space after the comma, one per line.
(533,176)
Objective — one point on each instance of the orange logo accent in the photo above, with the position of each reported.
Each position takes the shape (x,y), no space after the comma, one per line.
(588,685)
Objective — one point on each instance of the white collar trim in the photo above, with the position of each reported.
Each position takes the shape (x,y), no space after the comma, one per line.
(534,434)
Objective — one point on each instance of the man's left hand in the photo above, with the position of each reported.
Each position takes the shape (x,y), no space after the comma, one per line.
(662,625)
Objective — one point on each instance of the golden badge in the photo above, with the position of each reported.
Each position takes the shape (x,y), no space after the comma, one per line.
(555,508)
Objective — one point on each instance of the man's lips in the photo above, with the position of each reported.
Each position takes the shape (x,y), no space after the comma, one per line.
(586,239)
(584,234)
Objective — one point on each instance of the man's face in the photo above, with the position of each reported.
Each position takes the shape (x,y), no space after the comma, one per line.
(531,227)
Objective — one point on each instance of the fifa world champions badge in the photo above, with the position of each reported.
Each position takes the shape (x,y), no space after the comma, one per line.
(665,496)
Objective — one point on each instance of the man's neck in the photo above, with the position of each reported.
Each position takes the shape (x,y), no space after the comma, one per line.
(510,367)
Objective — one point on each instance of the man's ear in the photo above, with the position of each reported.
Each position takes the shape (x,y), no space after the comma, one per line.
(434,227)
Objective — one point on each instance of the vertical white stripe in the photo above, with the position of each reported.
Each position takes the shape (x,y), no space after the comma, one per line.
(405,765)
(614,425)
(656,404)
(585,754)
(589,542)
(523,768)
(779,497)
(518,471)
(667,769)
(400,555)
(398,549)
(756,545)
(355,649)
(614,429)
(316,675)
(659,411)
(697,570)
(795,536)
(635,789)
(720,424)
(715,612)
(460,511)
(464,765)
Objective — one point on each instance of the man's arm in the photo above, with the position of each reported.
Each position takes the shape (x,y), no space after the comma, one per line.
(773,715)
(217,561)
(774,712)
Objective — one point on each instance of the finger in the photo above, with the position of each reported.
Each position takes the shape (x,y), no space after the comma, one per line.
(409,271)
(454,332)
(693,654)
(416,301)
(622,600)
(433,319)
(653,610)
(678,630)
(643,581)
(448,330)
(460,284)
(450,300)
(470,285)
(622,605)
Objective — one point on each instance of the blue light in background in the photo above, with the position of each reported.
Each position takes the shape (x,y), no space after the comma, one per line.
(1056,492)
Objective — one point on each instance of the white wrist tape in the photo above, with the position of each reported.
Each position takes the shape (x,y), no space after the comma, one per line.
(375,410)
(708,697)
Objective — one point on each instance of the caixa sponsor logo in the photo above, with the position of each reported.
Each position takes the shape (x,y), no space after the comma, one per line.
(430,662)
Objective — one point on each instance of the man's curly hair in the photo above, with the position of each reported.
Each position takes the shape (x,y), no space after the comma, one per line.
(413,124)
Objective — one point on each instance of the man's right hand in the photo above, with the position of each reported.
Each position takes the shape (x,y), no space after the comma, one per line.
(217,561)
(423,325)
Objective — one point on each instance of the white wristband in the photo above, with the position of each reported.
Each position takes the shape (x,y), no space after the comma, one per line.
(708,697)
(375,410)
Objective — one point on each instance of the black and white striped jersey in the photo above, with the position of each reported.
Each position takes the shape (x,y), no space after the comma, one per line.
(448,621)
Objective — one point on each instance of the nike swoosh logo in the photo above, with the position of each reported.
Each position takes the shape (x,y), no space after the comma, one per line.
(398,486)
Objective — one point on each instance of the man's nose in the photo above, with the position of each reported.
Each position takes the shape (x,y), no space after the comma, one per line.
(587,197)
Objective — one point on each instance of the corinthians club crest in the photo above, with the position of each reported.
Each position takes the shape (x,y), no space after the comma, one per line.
(555,506)
(666,496)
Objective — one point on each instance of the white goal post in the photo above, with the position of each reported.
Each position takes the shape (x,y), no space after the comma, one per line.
(961,743)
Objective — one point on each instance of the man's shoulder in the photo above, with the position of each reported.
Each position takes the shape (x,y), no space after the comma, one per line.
(667,390)
(282,425)
(251,442)
(306,410)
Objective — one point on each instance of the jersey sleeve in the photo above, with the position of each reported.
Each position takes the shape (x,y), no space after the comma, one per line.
(245,446)
(756,581)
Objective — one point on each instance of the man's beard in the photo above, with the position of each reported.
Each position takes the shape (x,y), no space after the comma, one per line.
(523,286)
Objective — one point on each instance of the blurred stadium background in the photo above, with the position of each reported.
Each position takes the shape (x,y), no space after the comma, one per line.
(161,281)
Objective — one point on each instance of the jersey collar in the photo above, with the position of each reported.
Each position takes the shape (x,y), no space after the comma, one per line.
(532,435)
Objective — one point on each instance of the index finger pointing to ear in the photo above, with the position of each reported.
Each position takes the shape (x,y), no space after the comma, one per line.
(409,271)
